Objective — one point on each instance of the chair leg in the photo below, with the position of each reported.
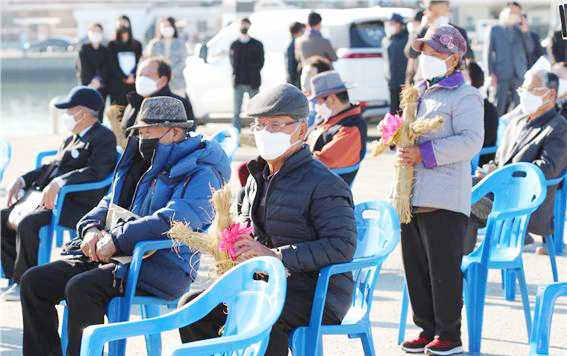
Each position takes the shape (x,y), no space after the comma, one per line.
(64,337)
(510,284)
(403,315)
(368,343)
(114,314)
(549,242)
(525,299)
(153,342)
(475,292)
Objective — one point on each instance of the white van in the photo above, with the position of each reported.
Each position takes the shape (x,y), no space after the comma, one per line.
(356,35)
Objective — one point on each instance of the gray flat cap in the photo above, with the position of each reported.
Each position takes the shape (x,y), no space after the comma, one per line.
(280,100)
(162,111)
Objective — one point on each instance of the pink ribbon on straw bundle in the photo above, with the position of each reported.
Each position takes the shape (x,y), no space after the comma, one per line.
(389,125)
(230,235)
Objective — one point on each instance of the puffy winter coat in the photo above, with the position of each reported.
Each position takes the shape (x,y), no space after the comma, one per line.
(177,186)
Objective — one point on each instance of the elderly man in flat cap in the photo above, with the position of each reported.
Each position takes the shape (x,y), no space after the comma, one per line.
(165,174)
(87,155)
(301,214)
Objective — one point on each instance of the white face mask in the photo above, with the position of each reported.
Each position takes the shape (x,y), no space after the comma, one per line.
(562,90)
(145,86)
(441,20)
(69,121)
(167,31)
(530,103)
(95,37)
(272,145)
(432,67)
(323,111)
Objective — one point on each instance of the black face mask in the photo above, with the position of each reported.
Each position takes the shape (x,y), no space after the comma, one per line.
(147,147)
(244,30)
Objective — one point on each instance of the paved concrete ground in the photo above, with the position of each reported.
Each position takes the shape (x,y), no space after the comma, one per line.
(504,326)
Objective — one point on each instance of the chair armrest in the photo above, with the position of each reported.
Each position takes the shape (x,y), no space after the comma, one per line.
(73,188)
(41,155)
(554,181)
(488,150)
(134,271)
(216,346)
(320,296)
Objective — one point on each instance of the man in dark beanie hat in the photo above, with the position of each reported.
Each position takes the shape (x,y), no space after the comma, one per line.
(164,174)
(301,213)
(87,155)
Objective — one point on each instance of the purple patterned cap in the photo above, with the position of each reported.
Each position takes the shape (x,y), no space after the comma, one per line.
(445,39)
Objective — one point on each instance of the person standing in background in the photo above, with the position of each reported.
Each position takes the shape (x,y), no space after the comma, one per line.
(247,60)
(167,43)
(506,55)
(92,64)
(436,12)
(475,76)
(558,50)
(312,43)
(125,52)
(296,29)
(536,49)
(395,61)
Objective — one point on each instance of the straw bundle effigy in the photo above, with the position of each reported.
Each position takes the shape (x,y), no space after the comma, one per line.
(208,243)
(406,135)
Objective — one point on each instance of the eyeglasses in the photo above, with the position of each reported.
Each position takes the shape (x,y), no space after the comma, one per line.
(271,127)
(536,91)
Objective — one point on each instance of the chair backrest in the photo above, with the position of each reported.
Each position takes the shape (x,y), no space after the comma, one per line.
(228,139)
(254,305)
(378,233)
(5,156)
(518,187)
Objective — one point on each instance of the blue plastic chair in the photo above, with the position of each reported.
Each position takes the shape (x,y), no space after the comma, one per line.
(545,301)
(5,156)
(554,247)
(229,139)
(559,212)
(118,309)
(503,242)
(483,152)
(377,235)
(47,232)
(254,306)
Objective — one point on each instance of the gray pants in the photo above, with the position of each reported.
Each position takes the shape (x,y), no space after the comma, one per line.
(506,94)
(239,90)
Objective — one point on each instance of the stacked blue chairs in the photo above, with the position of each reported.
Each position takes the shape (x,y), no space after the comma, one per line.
(118,309)
(253,306)
(378,233)
(503,241)
(5,156)
(229,139)
(47,232)
(545,301)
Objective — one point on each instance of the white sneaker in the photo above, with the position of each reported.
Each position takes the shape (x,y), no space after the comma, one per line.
(12,294)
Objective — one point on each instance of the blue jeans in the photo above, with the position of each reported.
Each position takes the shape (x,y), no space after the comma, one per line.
(239,90)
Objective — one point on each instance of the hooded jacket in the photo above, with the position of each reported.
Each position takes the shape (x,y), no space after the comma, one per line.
(177,186)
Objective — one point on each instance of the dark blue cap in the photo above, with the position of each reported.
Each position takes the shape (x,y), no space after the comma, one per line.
(84,96)
(397,17)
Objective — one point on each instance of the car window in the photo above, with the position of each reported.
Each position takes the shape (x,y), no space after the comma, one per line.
(366,34)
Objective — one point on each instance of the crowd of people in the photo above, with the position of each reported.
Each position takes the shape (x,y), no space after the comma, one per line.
(301,212)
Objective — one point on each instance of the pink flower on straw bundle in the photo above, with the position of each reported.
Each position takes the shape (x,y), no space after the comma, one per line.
(389,125)
(230,235)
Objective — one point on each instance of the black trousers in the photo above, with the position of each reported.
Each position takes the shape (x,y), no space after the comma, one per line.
(432,250)
(296,312)
(86,286)
(395,100)
(19,248)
